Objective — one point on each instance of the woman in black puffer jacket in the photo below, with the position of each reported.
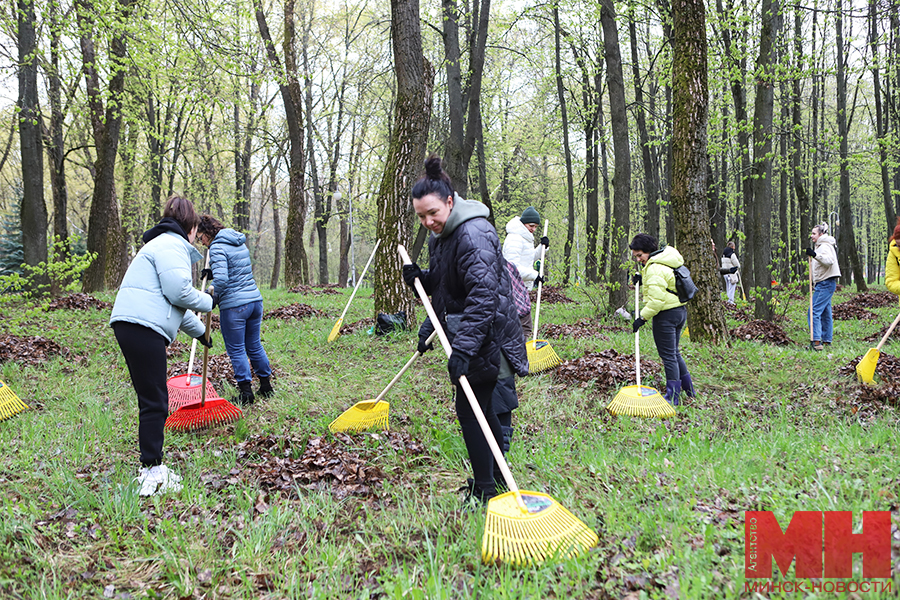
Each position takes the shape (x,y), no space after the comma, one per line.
(469,287)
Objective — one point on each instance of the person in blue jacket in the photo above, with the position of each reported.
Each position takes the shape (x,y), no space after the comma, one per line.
(469,284)
(240,306)
(154,301)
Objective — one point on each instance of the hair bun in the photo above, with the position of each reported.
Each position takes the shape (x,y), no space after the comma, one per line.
(433,168)
(823,227)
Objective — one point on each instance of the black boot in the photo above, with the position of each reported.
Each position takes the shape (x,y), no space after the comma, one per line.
(245,396)
(265,387)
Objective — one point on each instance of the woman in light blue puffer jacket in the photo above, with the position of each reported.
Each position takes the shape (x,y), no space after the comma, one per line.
(154,301)
(240,306)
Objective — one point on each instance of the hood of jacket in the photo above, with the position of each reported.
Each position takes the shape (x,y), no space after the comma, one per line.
(516,227)
(728,252)
(230,237)
(668,256)
(165,225)
(462,211)
(826,239)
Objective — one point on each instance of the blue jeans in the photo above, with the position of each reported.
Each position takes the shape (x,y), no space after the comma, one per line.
(822,325)
(240,331)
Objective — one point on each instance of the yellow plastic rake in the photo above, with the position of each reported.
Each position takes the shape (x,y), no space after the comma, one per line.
(521,527)
(540,355)
(865,369)
(639,400)
(372,414)
(336,330)
(10,405)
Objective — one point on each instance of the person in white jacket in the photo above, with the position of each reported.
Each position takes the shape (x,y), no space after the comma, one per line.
(730,266)
(519,245)
(825,275)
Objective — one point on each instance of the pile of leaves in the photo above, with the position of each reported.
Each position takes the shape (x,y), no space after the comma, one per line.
(876,337)
(323,465)
(311,291)
(737,313)
(218,370)
(874,300)
(364,324)
(79,301)
(294,311)
(550,295)
(762,331)
(888,391)
(30,349)
(584,328)
(849,311)
(607,369)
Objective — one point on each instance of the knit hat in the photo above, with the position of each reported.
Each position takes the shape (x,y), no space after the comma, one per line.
(530,215)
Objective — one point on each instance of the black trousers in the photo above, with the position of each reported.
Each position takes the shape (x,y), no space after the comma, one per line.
(667,326)
(145,355)
(479,451)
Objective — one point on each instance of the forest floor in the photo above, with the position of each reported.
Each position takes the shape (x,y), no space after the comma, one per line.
(275,506)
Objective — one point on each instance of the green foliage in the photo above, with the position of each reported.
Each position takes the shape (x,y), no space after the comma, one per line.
(61,272)
(11,252)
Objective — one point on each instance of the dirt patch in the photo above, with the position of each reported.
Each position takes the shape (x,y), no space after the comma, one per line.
(294,311)
(31,349)
(874,300)
(848,311)
(762,331)
(364,324)
(79,301)
(584,328)
(309,290)
(607,369)
(550,295)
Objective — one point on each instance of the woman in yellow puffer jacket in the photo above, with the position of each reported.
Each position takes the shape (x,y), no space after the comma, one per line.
(892,265)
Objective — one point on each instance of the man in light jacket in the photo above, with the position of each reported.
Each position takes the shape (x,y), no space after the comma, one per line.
(825,273)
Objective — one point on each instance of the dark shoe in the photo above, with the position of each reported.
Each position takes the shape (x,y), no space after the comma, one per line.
(687,386)
(479,496)
(265,387)
(245,396)
(468,486)
(673,390)
(817,346)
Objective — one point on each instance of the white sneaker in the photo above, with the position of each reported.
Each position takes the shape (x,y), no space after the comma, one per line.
(158,480)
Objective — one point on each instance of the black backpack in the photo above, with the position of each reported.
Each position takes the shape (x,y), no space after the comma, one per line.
(685,288)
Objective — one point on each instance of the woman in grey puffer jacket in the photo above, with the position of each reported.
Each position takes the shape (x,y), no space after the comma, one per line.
(240,306)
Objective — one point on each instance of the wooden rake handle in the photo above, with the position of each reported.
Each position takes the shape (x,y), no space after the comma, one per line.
(467,388)
(205,362)
(359,281)
(889,332)
(408,364)
(537,310)
(637,339)
(194,343)
(810,302)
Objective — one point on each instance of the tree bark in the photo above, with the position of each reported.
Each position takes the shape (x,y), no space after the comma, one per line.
(648,155)
(690,162)
(620,255)
(412,115)
(880,133)
(799,177)
(570,185)
(54,141)
(33,210)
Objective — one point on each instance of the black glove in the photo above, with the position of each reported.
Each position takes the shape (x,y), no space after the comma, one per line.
(457,366)
(636,279)
(733,270)
(212,292)
(638,323)
(206,274)
(810,252)
(206,341)
(545,241)
(411,273)
(424,346)
(541,280)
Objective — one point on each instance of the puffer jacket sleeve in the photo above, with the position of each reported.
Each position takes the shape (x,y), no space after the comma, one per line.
(478,261)
(174,271)
(892,269)
(518,251)
(655,296)
(192,325)
(218,262)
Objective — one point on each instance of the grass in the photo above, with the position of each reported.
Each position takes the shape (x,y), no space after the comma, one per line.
(772,429)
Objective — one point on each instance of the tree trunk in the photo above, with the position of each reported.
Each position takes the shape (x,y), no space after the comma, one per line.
(590,100)
(784,197)
(690,162)
(276,221)
(412,114)
(648,158)
(296,265)
(880,132)
(796,115)
(131,205)
(55,141)
(620,255)
(570,185)
(33,210)
(847,236)
(604,171)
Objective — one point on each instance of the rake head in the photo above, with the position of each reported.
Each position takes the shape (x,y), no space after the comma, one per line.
(185,389)
(191,417)
(541,356)
(865,368)
(548,530)
(336,330)
(362,416)
(9,403)
(640,401)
